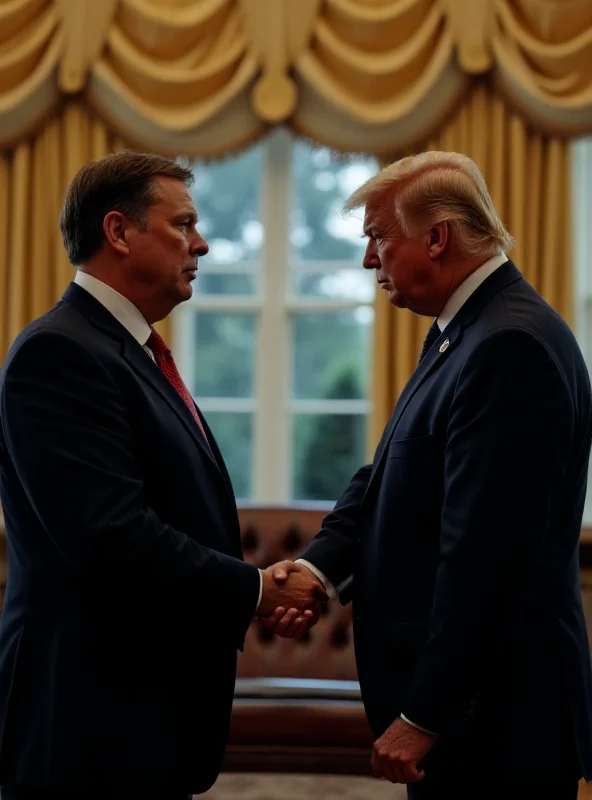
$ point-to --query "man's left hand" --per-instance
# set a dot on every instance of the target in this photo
(396, 754)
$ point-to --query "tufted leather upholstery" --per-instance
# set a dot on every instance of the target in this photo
(277, 725)
(275, 534)
(301, 719)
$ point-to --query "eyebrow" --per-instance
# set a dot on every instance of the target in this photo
(189, 212)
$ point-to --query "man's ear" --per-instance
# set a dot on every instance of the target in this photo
(115, 228)
(438, 239)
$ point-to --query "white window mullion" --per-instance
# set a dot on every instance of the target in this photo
(582, 247)
(582, 238)
(321, 305)
(183, 332)
(330, 406)
(324, 267)
(223, 302)
(233, 267)
(272, 429)
(233, 405)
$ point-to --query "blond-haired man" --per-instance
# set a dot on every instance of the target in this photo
(462, 535)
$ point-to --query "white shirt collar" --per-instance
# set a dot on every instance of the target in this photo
(124, 311)
(462, 293)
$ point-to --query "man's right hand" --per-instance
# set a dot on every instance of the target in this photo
(298, 590)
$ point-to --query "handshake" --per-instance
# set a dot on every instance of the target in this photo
(291, 599)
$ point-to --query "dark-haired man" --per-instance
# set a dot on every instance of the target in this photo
(116, 680)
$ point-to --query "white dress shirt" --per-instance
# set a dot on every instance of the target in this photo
(453, 305)
(462, 293)
(124, 311)
(132, 319)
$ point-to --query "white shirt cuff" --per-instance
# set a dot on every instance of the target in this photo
(260, 592)
(329, 588)
(419, 728)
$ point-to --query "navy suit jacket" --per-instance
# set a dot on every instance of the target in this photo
(462, 538)
(124, 557)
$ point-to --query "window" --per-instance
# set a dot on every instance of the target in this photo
(275, 344)
(582, 214)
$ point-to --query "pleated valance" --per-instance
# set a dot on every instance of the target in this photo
(206, 77)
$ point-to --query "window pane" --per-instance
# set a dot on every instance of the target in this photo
(331, 353)
(227, 197)
(581, 153)
(234, 435)
(586, 345)
(321, 184)
(211, 283)
(343, 284)
(224, 354)
(327, 451)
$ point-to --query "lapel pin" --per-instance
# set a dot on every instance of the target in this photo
(444, 345)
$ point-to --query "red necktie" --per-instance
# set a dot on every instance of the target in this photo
(164, 359)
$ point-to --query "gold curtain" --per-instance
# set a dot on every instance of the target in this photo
(34, 269)
(542, 52)
(528, 175)
(205, 77)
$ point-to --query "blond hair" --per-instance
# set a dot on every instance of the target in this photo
(435, 187)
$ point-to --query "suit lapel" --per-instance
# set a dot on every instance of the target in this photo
(226, 478)
(216, 453)
(438, 354)
(143, 365)
(147, 370)
(139, 360)
(434, 359)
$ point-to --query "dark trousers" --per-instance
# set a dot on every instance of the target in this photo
(450, 791)
(8, 793)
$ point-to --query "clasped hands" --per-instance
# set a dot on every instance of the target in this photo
(291, 599)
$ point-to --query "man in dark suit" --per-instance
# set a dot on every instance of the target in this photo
(462, 536)
(127, 595)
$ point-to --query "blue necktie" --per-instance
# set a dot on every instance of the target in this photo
(430, 338)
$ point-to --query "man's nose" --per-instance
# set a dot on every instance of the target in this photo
(371, 260)
(199, 246)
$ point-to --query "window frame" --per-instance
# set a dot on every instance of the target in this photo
(274, 306)
(581, 164)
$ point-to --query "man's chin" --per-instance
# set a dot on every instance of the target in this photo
(396, 299)
(185, 291)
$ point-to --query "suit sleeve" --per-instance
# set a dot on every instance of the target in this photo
(69, 435)
(509, 438)
(332, 549)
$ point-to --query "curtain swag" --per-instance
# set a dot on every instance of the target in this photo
(205, 77)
